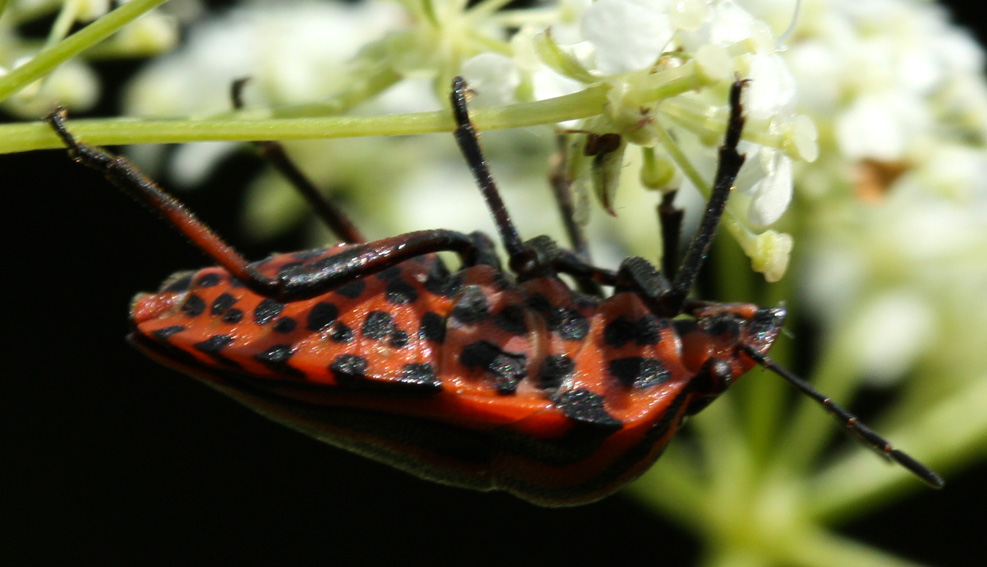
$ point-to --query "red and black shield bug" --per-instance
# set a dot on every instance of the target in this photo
(482, 378)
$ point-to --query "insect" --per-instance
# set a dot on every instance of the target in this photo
(483, 378)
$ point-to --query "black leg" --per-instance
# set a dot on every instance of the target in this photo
(730, 161)
(670, 218)
(306, 281)
(558, 179)
(325, 209)
(561, 186)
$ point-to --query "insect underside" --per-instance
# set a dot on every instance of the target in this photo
(480, 377)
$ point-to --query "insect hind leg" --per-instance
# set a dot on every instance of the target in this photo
(355, 261)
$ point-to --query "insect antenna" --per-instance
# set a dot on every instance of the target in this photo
(863, 433)
(324, 208)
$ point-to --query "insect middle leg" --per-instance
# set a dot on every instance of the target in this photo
(273, 152)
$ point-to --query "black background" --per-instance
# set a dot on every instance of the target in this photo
(109, 458)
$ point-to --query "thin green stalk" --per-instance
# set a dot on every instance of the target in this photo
(37, 136)
(46, 61)
(63, 23)
(363, 90)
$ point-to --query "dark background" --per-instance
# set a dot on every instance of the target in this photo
(109, 458)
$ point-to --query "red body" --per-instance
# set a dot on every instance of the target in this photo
(467, 378)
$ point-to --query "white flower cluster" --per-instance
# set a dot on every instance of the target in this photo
(73, 84)
(665, 68)
(898, 198)
(667, 65)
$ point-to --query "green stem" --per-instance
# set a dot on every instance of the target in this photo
(46, 61)
(37, 136)
(362, 91)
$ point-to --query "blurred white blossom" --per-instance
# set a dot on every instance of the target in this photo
(73, 84)
(665, 87)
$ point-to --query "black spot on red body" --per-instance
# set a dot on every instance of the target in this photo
(193, 306)
(221, 304)
(644, 331)
(440, 282)
(421, 375)
(209, 280)
(724, 325)
(399, 339)
(164, 334)
(212, 347)
(285, 325)
(572, 325)
(378, 325)
(213, 344)
(267, 310)
(321, 316)
(349, 369)
(351, 290)
(233, 316)
(587, 407)
(506, 368)
(341, 333)
(649, 329)
(276, 358)
(400, 292)
(472, 306)
(619, 332)
(541, 304)
(639, 372)
(433, 327)
(511, 319)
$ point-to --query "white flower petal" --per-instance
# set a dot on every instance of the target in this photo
(627, 35)
(492, 77)
(773, 193)
(771, 89)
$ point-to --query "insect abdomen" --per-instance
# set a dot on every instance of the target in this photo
(466, 378)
